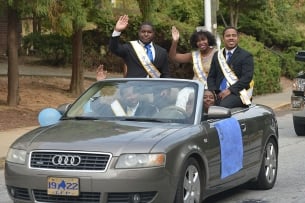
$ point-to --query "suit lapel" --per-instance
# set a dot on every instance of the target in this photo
(157, 54)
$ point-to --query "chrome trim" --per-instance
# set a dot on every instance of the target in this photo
(79, 152)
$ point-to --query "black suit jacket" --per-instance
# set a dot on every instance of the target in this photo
(243, 66)
(134, 66)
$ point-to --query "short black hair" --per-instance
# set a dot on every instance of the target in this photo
(227, 28)
(197, 34)
(146, 23)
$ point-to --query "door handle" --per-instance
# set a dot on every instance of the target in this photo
(243, 127)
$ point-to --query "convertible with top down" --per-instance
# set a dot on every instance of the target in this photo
(163, 149)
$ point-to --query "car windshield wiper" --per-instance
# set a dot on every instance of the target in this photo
(81, 118)
(146, 119)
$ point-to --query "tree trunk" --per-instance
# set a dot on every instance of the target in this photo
(77, 80)
(13, 71)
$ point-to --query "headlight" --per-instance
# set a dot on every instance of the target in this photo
(298, 84)
(16, 156)
(140, 160)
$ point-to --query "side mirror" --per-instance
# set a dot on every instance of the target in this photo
(63, 108)
(216, 112)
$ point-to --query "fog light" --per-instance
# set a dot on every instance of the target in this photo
(136, 198)
(297, 103)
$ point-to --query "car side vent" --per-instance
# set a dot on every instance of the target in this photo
(141, 197)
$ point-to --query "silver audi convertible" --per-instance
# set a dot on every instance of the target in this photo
(142, 141)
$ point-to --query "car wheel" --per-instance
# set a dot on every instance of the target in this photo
(299, 125)
(268, 171)
(190, 183)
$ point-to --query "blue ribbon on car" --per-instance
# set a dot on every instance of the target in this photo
(231, 146)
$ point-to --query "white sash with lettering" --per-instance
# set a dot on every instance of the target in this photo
(198, 67)
(146, 63)
(117, 108)
(245, 95)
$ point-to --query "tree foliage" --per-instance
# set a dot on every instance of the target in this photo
(233, 9)
(275, 30)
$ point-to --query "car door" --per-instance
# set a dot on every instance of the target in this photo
(213, 155)
(253, 127)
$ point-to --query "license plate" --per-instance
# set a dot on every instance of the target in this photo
(63, 186)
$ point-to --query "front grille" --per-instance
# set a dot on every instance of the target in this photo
(129, 197)
(84, 197)
(18, 193)
(89, 161)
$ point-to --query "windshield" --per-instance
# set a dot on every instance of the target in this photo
(143, 100)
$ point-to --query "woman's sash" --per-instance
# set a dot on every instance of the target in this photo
(146, 63)
(198, 67)
(245, 95)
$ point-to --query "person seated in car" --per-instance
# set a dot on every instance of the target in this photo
(209, 99)
(132, 105)
(128, 103)
(162, 97)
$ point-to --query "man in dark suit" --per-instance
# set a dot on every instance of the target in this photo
(241, 66)
(129, 104)
(132, 58)
(132, 105)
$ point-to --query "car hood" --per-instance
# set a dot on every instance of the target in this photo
(97, 136)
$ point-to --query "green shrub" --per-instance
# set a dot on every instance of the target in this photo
(267, 69)
(53, 48)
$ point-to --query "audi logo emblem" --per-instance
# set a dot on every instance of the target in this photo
(66, 160)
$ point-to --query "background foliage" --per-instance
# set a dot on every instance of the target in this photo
(272, 30)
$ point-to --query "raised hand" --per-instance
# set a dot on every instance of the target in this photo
(175, 33)
(122, 23)
(101, 74)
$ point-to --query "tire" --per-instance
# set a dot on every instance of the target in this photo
(299, 125)
(268, 171)
(190, 184)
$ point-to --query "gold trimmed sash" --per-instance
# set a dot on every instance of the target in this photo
(146, 63)
(245, 95)
(117, 108)
(198, 67)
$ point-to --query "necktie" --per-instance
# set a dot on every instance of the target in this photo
(223, 84)
(229, 56)
(149, 52)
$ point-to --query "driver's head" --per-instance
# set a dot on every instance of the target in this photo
(162, 97)
(130, 96)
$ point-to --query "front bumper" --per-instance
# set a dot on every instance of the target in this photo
(115, 185)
